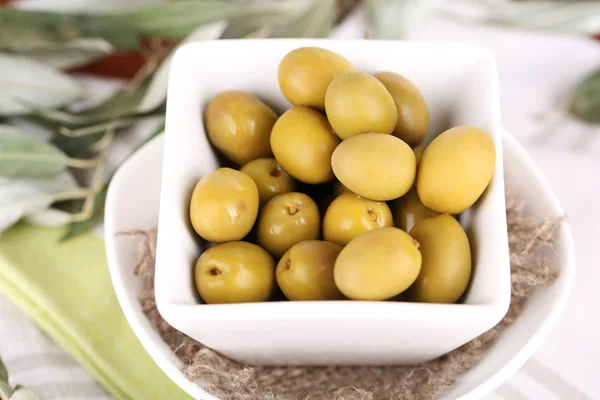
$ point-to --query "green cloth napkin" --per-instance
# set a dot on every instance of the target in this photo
(66, 290)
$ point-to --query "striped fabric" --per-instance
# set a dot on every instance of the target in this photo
(33, 360)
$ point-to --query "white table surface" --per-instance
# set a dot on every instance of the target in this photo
(536, 72)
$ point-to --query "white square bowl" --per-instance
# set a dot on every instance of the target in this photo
(460, 85)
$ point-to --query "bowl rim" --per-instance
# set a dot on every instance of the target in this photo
(148, 338)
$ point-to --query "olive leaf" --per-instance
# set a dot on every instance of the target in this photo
(585, 99)
(87, 128)
(95, 217)
(110, 125)
(178, 19)
(80, 227)
(246, 27)
(156, 92)
(145, 97)
(82, 146)
(568, 17)
(24, 155)
(123, 110)
(393, 19)
(3, 372)
(264, 25)
(88, 140)
(25, 29)
(83, 6)
(20, 30)
(77, 228)
(7, 393)
(23, 393)
(574, 17)
(5, 390)
(23, 196)
(124, 102)
(70, 54)
(25, 79)
(316, 20)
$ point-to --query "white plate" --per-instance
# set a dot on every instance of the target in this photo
(133, 203)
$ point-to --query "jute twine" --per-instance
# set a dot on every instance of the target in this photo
(230, 380)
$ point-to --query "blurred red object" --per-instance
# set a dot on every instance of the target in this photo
(116, 65)
(125, 65)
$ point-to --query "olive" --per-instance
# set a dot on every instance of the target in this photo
(224, 205)
(377, 265)
(446, 268)
(376, 166)
(239, 125)
(338, 189)
(358, 103)
(413, 115)
(302, 142)
(455, 169)
(408, 210)
(285, 220)
(305, 73)
(305, 272)
(234, 272)
(350, 215)
(269, 177)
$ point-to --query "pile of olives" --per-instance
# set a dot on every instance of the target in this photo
(330, 201)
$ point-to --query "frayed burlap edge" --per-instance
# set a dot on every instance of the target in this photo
(230, 380)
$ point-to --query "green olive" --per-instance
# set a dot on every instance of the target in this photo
(338, 189)
(224, 205)
(287, 219)
(358, 103)
(413, 115)
(446, 269)
(239, 125)
(302, 142)
(377, 265)
(305, 272)
(455, 169)
(350, 215)
(376, 166)
(408, 210)
(305, 73)
(234, 272)
(269, 177)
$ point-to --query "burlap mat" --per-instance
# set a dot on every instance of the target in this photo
(230, 380)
